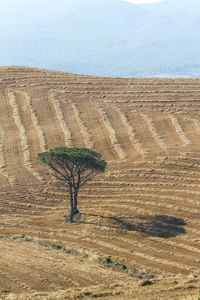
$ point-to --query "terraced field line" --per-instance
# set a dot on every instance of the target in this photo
(144, 198)
(132, 132)
(157, 137)
(179, 130)
(62, 122)
(112, 134)
(2, 158)
(197, 123)
(161, 248)
(23, 137)
(36, 123)
(7, 140)
(15, 282)
(143, 259)
(123, 247)
(84, 130)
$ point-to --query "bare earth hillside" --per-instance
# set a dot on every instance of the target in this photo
(140, 221)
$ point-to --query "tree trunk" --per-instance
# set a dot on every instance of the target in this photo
(71, 207)
(76, 189)
(76, 211)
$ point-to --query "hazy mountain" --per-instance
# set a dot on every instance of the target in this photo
(102, 37)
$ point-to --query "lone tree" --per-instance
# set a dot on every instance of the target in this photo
(73, 166)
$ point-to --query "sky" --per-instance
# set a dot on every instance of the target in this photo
(102, 37)
(142, 1)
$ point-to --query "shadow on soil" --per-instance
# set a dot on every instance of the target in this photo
(155, 226)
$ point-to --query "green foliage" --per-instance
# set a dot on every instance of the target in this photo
(75, 167)
(73, 156)
(107, 260)
(131, 271)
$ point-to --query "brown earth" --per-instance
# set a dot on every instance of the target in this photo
(140, 221)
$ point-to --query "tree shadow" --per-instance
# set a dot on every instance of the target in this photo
(150, 226)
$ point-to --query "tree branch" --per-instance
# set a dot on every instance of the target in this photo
(57, 171)
(88, 177)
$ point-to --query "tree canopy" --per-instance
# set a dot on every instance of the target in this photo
(73, 166)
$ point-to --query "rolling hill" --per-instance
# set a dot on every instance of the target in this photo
(140, 221)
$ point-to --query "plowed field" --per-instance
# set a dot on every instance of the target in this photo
(139, 221)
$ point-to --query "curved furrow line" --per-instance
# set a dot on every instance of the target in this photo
(27, 205)
(179, 199)
(84, 130)
(185, 162)
(164, 167)
(168, 192)
(193, 231)
(179, 130)
(138, 207)
(172, 200)
(155, 205)
(62, 122)
(161, 244)
(27, 277)
(159, 248)
(192, 174)
(168, 179)
(12, 279)
(126, 187)
(47, 117)
(163, 247)
(6, 141)
(3, 171)
(101, 248)
(188, 174)
(166, 257)
(145, 183)
(112, 134)
(122, 135)
(24, 140)
(163, 162)
(35, 121)
(197, 123)
(131, 132)
(8, 282)
(173, 208)
(39, 276)
(88, 277)
(157, 137)
(99, 132)
(180, 244)
(135, 256)
(181, 266)
(166, 130)
(132, 192)
(46, 271)
(191, 130)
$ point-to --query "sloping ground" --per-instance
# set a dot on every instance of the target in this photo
(177, 289)
(140, 220)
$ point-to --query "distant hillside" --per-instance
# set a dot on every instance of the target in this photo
(101, 37)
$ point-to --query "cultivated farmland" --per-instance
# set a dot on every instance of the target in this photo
(140, 220)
